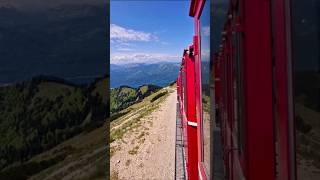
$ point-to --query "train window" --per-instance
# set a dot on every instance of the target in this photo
(205, 84)
(218, 10)
(239, 89)
(306, 83)
(238, 97)
(276, 119)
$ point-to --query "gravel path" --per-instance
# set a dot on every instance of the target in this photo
(147, 152)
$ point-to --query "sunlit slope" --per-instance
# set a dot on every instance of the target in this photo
(129, 117)
(87, 152)
(142, 137)
(124, 96)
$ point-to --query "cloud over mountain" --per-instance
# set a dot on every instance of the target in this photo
(127, 58)
(122, 34)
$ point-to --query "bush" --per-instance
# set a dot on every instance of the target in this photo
(117, 115)
(158, 96)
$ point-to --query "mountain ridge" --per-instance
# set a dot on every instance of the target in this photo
(137, 74)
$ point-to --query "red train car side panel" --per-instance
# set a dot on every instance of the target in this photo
(258, 90)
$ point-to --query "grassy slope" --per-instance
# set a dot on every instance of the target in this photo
(101, 87)
(307, 116)
(124, 96)
(87, 156)
(132, 120)
(87, 152)
(81, 145)
(134, 113)
(309, 141)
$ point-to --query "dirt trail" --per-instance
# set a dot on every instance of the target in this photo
(147, 152)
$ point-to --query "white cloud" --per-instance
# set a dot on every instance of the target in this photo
(122, 46)
(125, 44)
(121, 34)
(124, 49)
(127, 58)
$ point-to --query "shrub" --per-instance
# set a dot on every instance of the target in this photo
(158, 96)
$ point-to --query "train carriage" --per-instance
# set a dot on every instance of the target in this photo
(249, 90)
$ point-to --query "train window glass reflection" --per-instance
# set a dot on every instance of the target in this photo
(238, 88)
(205, 83)
(306, 79)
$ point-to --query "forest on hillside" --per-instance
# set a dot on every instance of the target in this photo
(40, 113)
(124, 96)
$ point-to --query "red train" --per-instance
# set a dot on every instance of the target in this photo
(249, 90)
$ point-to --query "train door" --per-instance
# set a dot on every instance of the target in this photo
(200, 10)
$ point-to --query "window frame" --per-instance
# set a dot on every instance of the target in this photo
(209, 169)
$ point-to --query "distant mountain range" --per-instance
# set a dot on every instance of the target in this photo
(63, 38)
(135, 75)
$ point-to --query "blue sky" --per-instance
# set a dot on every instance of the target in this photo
(149, 31)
